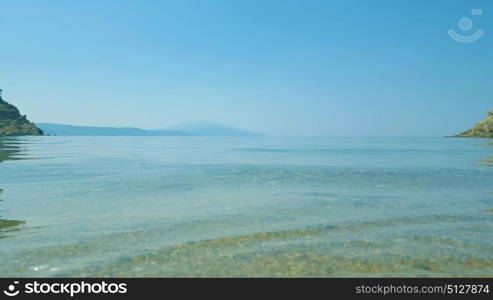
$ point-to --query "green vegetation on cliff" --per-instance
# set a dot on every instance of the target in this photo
(13, 123)
(483, 129)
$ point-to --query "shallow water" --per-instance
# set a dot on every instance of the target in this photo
(189, 206)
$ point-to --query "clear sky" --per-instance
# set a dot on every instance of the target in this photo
(281, 67)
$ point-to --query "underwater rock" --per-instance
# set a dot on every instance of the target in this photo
(9, 224)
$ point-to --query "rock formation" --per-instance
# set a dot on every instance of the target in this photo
(13, 123)
(483, 129)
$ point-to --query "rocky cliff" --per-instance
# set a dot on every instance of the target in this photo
(13, 123)
(483, 129)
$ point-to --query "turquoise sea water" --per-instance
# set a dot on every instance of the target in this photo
(187, 206)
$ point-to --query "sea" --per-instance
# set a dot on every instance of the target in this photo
(246, 207)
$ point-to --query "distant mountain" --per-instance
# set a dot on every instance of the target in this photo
(72, 130)
(206, 128)
(483, 129)
(186, 129)
(13, 123)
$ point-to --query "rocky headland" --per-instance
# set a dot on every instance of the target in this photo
(12, 123)
(483, 129)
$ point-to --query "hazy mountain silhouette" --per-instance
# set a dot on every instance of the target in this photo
(201, 128)
(73, 130)
(207, 128)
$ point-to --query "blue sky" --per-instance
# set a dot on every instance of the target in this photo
(281, 67)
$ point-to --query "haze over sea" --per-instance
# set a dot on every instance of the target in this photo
(250, 206)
